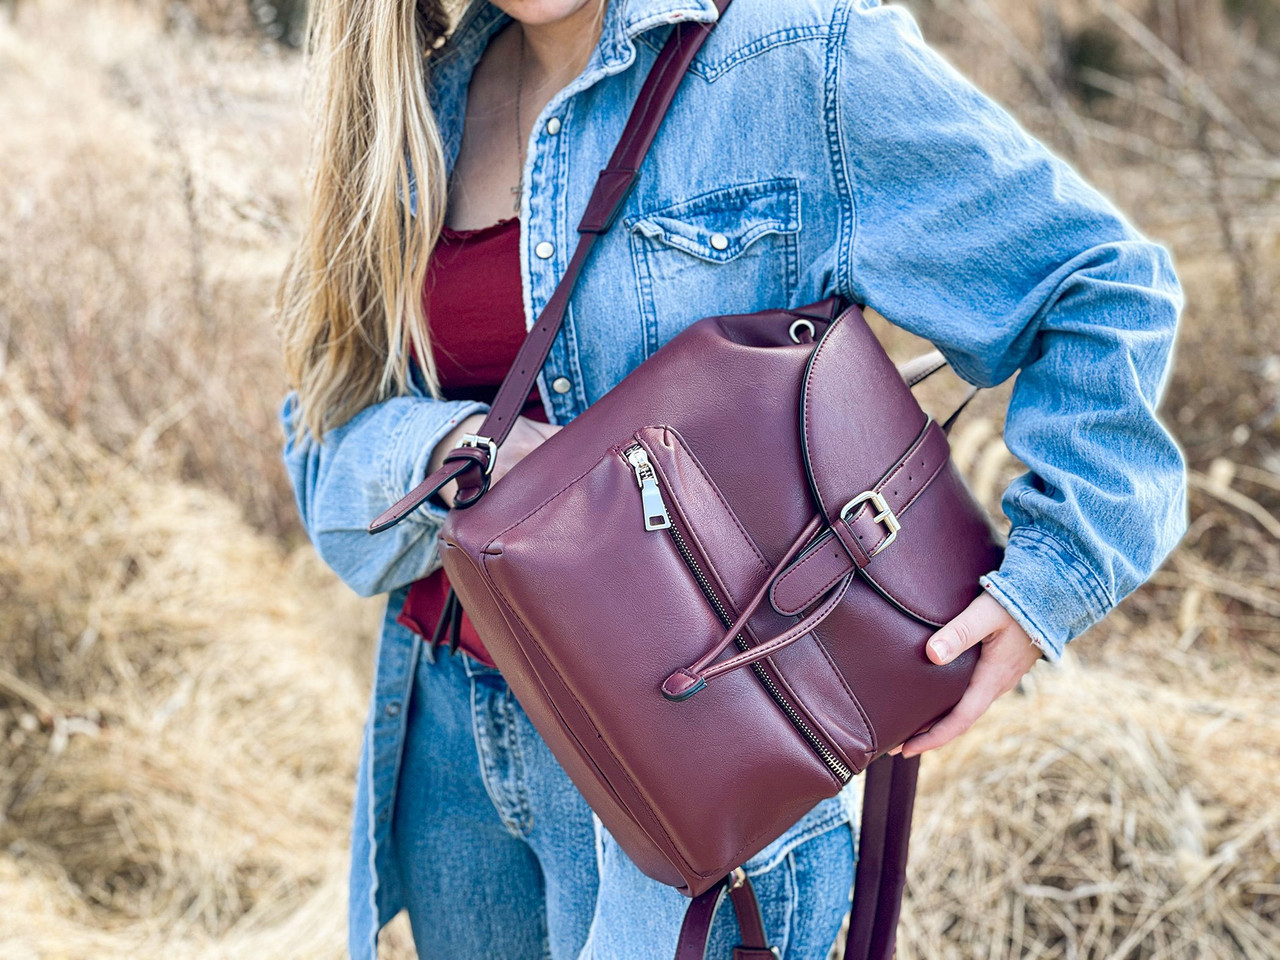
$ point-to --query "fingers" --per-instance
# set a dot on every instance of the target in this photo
(983, 690)
(545, 430)
(1007, 655)
(979, 620)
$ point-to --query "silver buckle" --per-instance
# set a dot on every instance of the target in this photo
(885, 516)
(476, 440)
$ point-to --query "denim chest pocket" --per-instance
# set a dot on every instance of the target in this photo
(729, 250)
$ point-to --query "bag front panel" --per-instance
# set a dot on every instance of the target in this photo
(555, 714)
(591, 604)
(625, 604)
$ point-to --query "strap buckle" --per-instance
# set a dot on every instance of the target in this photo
(476, 440)
(885, 516)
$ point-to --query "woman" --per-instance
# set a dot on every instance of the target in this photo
(814, 149)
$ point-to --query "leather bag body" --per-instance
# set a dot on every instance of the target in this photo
(589, 602)
(712, 590)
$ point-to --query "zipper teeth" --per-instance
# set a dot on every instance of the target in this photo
(834, 763)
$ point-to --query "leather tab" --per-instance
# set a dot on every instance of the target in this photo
(682, 685)
(753, 953)
(459, 461)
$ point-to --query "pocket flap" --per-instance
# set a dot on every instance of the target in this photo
(720, 225)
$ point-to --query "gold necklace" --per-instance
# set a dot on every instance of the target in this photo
(518, 189)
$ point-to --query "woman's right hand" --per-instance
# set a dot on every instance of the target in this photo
(525, 435)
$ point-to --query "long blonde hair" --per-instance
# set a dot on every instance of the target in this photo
(349, 304)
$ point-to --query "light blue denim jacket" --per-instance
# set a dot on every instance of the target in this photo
(818, 147)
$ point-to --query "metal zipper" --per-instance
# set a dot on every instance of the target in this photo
(655, 511)
(638, 457)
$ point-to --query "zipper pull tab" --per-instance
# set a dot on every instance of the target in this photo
(655, 510)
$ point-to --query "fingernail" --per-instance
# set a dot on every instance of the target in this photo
(941, 650)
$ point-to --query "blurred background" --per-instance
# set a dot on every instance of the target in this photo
(182, 683)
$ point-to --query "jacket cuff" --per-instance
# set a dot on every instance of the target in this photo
(1047, 589)
(411, 448)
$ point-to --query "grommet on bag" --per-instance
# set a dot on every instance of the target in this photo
(802, 324)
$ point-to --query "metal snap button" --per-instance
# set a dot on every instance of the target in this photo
(719, 241)
(561, 384)
(553, 126)
(545, 250)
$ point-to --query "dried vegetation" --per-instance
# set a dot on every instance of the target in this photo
(181, 683)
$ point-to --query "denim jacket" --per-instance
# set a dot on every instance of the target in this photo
(816, 148)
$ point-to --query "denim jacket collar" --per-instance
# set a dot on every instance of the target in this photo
(450, 69)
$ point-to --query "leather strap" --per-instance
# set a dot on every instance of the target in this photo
(822, 572)
(921, 368)
(853, 540)
(469, 465)
(888, 799)
(696, 928)
(889, 793)
(687, 681)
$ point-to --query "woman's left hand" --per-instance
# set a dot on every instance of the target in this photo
(1007, 654)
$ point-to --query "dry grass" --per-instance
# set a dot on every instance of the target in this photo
(178, 708)
(150, 180)
(181, 683)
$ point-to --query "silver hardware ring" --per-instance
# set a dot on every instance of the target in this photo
(799, 324)
(476, 440)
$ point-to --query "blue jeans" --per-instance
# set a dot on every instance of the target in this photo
(500, 857)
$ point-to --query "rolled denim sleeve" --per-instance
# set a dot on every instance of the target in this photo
(360, 469)
(965, 230)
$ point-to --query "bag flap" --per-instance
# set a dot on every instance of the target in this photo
(869, 446)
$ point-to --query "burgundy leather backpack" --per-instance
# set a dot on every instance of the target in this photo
(711, 591)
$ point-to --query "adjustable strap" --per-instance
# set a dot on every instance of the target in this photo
(856, 536)
(470, 465)
(888, 800)
(697, 921)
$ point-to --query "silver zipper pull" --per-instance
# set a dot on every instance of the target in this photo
(655, 510)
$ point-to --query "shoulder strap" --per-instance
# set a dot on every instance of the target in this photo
(888, 799)
(613, 185)
(881, 874)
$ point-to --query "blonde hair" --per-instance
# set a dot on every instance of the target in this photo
(349, 306)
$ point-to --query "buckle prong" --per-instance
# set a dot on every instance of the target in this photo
(884, 515)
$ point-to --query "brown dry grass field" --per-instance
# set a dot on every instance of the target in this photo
(182, 682)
